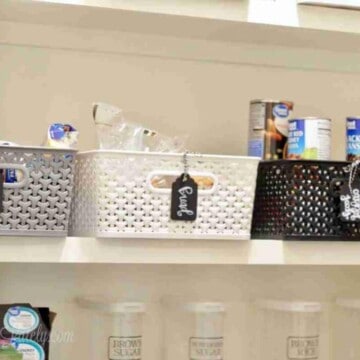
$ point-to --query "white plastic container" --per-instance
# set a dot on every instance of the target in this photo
(120, 194)
(116, 329)
(346, 335)
(288, 330)
(194, 331)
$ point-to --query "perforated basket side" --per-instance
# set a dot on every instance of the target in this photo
(309, 207)
(269, 215)
(39, 204)
(83, 218)
(127, 205)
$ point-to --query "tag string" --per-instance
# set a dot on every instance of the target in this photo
(186, 165)
(353, 171)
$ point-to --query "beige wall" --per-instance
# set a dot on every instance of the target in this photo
(208, 101)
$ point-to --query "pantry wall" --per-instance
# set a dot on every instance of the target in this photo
(185, 86)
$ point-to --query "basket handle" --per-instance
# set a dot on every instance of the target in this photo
(20, 184)
(149, 181)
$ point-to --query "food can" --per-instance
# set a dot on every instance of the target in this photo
(309, 138)
(268, 131)
(353, 138)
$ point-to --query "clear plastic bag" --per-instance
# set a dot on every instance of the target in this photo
(116, 133)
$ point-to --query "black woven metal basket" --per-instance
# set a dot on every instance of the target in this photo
(299, 200)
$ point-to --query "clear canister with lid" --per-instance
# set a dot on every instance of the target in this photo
(116, 329)
(194, 331)
(288, 330)
(346, 332)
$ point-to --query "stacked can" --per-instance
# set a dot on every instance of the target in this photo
(309, 138)
(274, 135)
(353, 138)
(268, 132)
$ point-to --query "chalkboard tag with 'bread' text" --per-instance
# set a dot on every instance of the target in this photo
(184, 198)
(350, 196)
(350, 202)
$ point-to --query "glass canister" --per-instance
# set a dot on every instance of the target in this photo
(116, 329)
(288, 330)
(194, 331)
(346, 334)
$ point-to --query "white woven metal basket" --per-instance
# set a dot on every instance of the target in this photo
(39, 203)
(116, 197)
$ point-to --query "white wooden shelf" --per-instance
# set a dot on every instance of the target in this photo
(150, 251)
(82, 14)
(72, 26)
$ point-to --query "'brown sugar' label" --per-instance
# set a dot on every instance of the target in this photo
(303, 348)
(206, 348)
(125, 348)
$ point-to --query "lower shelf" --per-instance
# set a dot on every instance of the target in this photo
(166, 251)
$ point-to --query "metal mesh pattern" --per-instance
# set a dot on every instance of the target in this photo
(39, 203)
(114, 199)
(300, 200)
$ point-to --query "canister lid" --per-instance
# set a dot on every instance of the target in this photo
(352, 303)
(205, 307)
(290, 306)
(104, 305)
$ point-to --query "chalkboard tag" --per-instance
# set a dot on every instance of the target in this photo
(184, 198)
(350, 202)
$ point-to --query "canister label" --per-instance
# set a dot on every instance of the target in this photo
(352, 139)
(21, 320)
(309, 139)
(206, 348)
(303, 348)
(125, 348)
(30, 349)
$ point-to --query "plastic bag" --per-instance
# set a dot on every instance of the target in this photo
(115, 133)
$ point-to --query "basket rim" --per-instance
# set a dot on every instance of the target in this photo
(166, 154)
(300, 161)
(37, 148)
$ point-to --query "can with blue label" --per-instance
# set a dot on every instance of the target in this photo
(352, 138)
(309, 138)
(268, 130)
